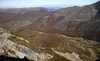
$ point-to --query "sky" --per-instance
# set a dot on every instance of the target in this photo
(43, 3)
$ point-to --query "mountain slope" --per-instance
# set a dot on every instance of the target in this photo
(53, 47)
(73, 21)
(17, 47)
(68, 34)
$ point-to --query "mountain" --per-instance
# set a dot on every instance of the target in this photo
(72, 21)
(23, 10)
(48, 47)
(18, 47)
(68, 34)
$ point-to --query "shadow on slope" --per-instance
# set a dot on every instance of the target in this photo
(5, 58)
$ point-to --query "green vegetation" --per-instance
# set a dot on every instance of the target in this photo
(82, 52)
(68, 44)
(12, 52)
(1, 32)
(97, 52)
(31, 46)
(22, 42)
(56, 57)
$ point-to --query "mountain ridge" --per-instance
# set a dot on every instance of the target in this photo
(69, 34)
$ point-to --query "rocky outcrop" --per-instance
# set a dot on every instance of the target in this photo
(12, 49)
(5, 58)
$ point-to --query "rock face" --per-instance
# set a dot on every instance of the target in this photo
(12, 49)
(5, 58)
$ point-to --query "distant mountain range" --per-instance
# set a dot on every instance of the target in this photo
(72, 21)
(73, 30)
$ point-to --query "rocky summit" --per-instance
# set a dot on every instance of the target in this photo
(41, 34)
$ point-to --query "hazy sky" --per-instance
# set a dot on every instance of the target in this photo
(43, 3)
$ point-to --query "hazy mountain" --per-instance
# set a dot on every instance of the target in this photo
(72, 21)
(68, 34)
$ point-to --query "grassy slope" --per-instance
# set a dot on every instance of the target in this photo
(60, 43)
